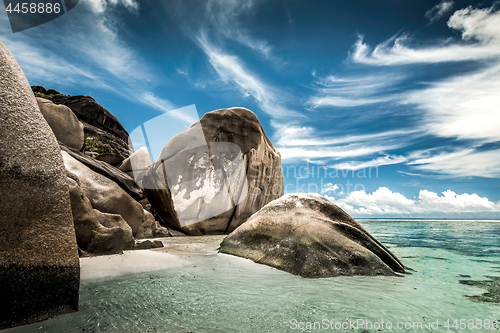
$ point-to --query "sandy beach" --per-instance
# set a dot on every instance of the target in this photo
(175, 253)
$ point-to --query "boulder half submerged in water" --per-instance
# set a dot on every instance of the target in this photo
(307, 235)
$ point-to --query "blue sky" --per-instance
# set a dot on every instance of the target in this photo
(390, 108)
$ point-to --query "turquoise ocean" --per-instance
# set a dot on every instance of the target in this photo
(454, 286)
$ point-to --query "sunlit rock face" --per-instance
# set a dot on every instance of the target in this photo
(63, 122)
(307, 235)
(210, 178)
(106, 195)
(39, 266)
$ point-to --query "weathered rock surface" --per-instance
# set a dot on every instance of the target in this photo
(42, 90)
(151, 228)
(39, 266)
(218, 173)
(136, 164)
(111, 159)
(63, 122)
(105, 195)
(88, 110)
(308, 235)
(122, 179)
(115, 142)
(99, 123)
(97, 233)
(113, 222)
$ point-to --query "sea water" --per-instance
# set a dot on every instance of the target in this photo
(453, 287)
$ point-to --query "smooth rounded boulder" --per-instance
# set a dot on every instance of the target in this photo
(309, 236)
(97, 233)
(39, 266)
(105, 195)
(63, 122)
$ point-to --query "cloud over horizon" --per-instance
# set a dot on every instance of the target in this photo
(384, 202)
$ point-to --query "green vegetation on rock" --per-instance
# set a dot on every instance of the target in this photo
(42, 95)
(95, 145)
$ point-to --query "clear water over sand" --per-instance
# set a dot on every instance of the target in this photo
(192, 288)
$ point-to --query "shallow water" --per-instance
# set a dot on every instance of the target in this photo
(210, 292)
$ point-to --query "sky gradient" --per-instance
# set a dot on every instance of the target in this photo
(389, 108)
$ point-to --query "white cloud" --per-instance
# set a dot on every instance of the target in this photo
(385, 202)
(436, 12)
(382, 201)
(385, 160)
(462, 163)
(100, 6)
(329, 188)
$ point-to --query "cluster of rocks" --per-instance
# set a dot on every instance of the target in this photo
(108, 204)
(105, 203)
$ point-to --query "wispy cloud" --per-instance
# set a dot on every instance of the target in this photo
(438, 11)
(461, 163)
(477, 25)
(463, 107)
(385, 160)
(338, 152)
(231, 70)
(91, 54)
(296, 142)
(292, 135)
(223, 17)
(157, 103)
(353, 91)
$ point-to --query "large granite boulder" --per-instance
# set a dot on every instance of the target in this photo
(39, 266)
(210, 178)
(307, 235)
(119, 177)
(97, 233)
(98, 122)
(65, 125)
(105, 195)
